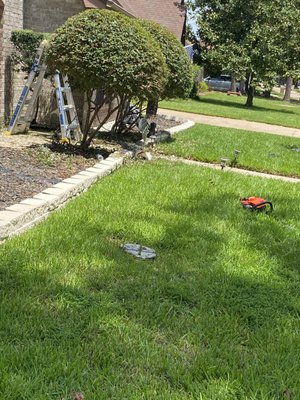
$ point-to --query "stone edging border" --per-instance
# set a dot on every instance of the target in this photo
(22, 216)
(183, 124)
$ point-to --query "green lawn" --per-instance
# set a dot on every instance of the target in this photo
(219, 104)
(259, 151)
(214, 317)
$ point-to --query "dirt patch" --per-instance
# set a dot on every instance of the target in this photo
(30, 163)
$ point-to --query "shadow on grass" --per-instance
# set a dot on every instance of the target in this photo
(79, 314)
(229, 104)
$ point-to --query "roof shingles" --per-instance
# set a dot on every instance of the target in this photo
(168, 13)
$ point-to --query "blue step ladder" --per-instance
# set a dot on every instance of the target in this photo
(22, 116)
(68, 119)
(25, 108)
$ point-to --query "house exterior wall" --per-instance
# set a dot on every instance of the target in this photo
(38, 15)
(1, 61)
(11, 18)
(47, 15)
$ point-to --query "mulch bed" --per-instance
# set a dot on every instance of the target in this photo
(25, 172)
(30, 164)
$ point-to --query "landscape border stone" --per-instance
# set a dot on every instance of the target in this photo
(163, 135)
(22, 216)
(183, 123)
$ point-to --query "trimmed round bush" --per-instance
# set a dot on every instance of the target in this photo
(107, 50)
(180, 80)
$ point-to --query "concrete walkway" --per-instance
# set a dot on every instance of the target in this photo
(234, 123)
(231, 169)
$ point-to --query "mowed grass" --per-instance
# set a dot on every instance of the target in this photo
(269, 111)
(214, 317)
(259, 151)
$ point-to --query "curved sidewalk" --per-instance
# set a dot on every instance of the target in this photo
(234, 123)
(231, 169)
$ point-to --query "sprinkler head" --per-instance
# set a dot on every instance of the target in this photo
(236, 153)
(223, 162)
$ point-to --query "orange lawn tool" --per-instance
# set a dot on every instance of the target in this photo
(257, 204)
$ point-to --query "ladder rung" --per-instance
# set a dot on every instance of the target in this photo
(69, 107)
(66, 89)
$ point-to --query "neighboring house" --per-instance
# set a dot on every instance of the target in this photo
(47, 15)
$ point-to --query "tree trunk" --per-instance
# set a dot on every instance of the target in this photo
(34, 121)
(288, 89)
(86, 112)
(233, 85)
(242, 86)
(247, 85)
(152, 108)
(250, 96)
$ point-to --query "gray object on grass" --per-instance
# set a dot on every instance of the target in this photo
(139, 251)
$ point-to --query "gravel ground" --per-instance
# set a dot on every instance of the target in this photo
(31, 163)
(26, 171)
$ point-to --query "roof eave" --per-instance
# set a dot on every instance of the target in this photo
(113, 6)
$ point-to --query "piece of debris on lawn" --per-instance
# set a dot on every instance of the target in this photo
(145, 155)
(139, 251)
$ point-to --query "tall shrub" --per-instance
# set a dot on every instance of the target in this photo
(180, 72)
(101, 49)
(180, 78)
(25, 44)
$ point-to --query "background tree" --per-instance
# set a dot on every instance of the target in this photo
(180, 71)
(241, 37)
(101, 49)
(230, 58)
(288, 36)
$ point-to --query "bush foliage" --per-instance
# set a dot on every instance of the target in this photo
(180, 79)
(25, 44)
(198, 82)
(107, 50)
(203, 87)
(102, 49)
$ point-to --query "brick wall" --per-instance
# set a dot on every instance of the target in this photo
(12, 18)
(1, 61)
(47, 15)
(40, 16)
